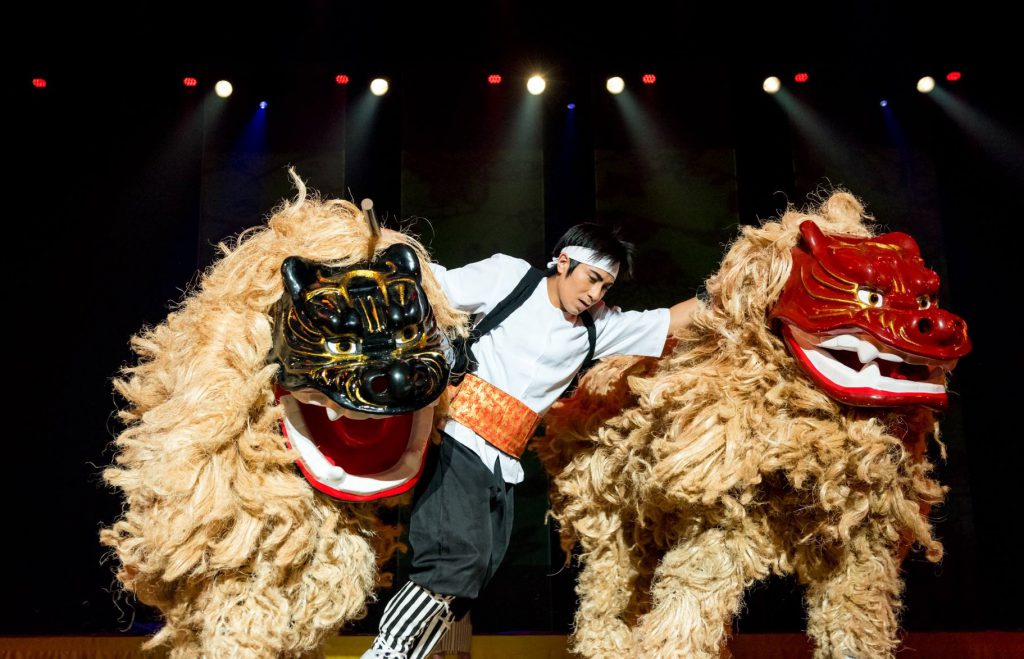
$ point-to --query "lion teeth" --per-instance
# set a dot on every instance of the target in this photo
(335, 473)
(866, 351)
(333, 414)
(870, 370)
(840, 342)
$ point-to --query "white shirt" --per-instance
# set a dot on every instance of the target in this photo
(535, 352)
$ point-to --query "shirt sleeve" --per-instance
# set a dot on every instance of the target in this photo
(478, 287)
(641, 333)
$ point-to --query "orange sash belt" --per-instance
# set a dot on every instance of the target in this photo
(499, 417)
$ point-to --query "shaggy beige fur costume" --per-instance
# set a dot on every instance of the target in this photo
(721, 463)
(220, 532)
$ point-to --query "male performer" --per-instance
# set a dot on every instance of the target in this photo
(461, 518)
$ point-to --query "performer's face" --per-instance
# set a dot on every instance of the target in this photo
(582, 288)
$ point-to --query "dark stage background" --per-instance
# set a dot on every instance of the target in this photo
(120, 181)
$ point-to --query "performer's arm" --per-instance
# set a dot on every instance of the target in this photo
(681, 314)
(471, 287)
(641, 333)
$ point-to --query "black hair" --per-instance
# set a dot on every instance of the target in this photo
(603, 240)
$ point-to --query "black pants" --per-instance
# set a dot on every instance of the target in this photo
(461, 522)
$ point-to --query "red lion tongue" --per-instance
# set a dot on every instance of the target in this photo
(361, 447)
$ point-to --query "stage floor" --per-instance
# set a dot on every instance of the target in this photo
(936, 645)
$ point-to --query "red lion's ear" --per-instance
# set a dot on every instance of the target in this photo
(901, 240)
(816, 241)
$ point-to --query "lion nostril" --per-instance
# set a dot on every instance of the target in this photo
(924, 326)
(379, 384)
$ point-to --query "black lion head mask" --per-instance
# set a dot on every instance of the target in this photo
(364, 335)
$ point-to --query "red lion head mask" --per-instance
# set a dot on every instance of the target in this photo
(862, 318)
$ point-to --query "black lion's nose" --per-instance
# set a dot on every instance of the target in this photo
(390, 383)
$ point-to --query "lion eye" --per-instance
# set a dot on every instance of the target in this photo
(870, 297)
(342, 347)
(407, 334)
(926, 301)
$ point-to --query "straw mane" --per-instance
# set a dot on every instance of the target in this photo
(219, 532)
(688, 478)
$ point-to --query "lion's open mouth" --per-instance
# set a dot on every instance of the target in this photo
(357, 459)
(867, 372)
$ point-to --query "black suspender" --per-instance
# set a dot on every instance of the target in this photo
(465, 362)
(588, 320)
(512, 301)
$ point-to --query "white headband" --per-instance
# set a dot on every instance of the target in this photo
(590, 257)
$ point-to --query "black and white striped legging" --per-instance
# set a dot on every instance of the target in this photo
(458, 639)
(413, 621)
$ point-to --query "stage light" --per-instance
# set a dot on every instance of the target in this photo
(39, 83)
(494, 79)
(648, 79)
(536, 85)
(190, 82)
(615, 85)
(571, 106)
(341, 79)
(263, 105)
(223, 89)
(379, 86)
(926, 84)
(884, 103)
(801, 77)
(953, 76)
(772, 85)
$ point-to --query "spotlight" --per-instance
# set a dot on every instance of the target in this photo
(494, 79)
(341, 79)
(536, 85)
(263, 105)
(379, 86)
(39, 83)
(648, 79)
(190, 82)
(801, 77)
(615, 85)
(571, 106)
(223, 88)
(926, 84)
(884, 103)
(953, 76)
(772, 85)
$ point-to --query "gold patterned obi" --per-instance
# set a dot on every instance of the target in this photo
(499, 417)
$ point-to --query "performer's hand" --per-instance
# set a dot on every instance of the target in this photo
(681, 314)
